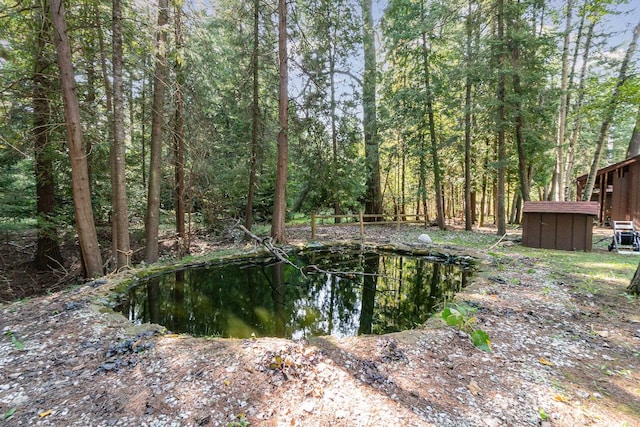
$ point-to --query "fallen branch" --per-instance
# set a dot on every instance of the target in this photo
(498, 242)
(267, 242)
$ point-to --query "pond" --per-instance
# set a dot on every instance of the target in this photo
(345, 294)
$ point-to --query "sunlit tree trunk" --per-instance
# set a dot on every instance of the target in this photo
(422, 182)
(48, 254)
(152, 220)
(121, 211)
(85, 225)
(143, 125)
(373, 200)
(501, 145)
(437, 173)
(634, 286)
(255, 118)
(609, 112)
(403, 179)
(109, 104)
(575, 130)
(178, 137)
(468, 217)
(519, 119)
(634, 142)
(280, 201)
(559, 182)
(334, 132)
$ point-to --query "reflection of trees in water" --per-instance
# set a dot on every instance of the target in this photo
(389, 293)
(180, 313)
(278, 295)
(371, 265)
(153, 300)
(410, 289)
(332, 300)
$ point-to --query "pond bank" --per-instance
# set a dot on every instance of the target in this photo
(566, 351)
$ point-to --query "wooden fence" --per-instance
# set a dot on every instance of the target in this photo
(360, 219)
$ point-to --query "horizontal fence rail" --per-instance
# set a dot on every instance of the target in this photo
(360, 217)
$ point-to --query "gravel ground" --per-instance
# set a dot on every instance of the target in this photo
(561, 357)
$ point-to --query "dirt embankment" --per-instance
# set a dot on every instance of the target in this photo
(561, 357)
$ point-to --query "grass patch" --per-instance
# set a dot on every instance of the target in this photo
(467, 239)
(590, 270)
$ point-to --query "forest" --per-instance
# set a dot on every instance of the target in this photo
(130, 119)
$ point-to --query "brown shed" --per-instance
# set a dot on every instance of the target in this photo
(567, 226)
(617, 190)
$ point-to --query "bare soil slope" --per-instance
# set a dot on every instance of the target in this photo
(561, 357)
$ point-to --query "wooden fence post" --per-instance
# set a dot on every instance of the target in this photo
(313, 225)
(361, 225)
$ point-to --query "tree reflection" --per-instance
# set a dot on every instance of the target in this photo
(371, 265)
(277, 294)
(274, 299)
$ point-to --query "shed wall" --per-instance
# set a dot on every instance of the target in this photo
(619, 205)
(552, 230)
(619, 191)
(634, 194)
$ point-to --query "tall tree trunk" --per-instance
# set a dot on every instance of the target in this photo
(280, 201)
(90, 100)
(570, 154)
(519, 120)
(110, 130)
(609, 113)
(152, 221)
(85, 225)
(121, 212)
(634, 286)
(578, 105)
(178, 137)
(334, 134)
(255, 118)
(502, 124)
(373, 201)
(422, 184)
(143, 126)
(468, 217)
(559, 183)
(403, 176)
(437, 173)
(48, 254)
(483, 197)
(516, 207)
(634, 143)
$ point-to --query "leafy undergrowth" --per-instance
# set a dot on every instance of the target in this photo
(462, 317)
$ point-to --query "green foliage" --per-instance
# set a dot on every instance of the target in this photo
(481, 340)
(326, 159)
(240, 422)
(542, 414)
(326, 164)
(462, 316)
(17, 187)
(219, 114)
(459, 316)
(19, 345)
(9, 413)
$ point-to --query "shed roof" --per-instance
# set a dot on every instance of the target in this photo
(586, 208)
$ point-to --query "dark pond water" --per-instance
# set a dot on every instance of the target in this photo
(366, 293)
